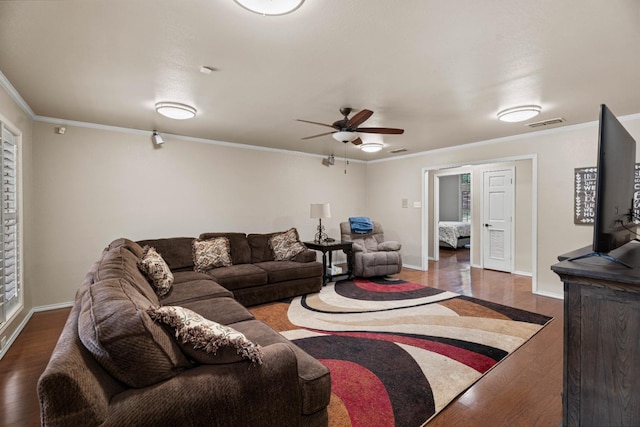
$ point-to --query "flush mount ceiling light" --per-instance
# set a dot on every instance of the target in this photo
(343, 136)
(519, 114)
(270, 7)
(174, 110)
(371, 147)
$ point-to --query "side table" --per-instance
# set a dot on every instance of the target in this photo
(346, 247)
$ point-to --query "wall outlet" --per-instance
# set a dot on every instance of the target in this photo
(3, 342)
(405, 203)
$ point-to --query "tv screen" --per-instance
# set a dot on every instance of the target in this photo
(614, 225)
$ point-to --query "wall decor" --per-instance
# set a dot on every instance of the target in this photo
(585, 195)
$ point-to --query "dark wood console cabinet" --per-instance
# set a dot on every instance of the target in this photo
(601, 338)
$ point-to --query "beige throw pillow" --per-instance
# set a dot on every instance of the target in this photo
(157, 271)
(211, 253)
(204, 334)
(286, 245)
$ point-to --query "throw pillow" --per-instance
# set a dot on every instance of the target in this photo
(157, 271)
(205, 334)
(286, 245)
(208, 254)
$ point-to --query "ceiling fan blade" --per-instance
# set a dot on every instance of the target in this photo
(356, 141)
(320, 134)
(387, 131)
(359, 118)
(316, 123)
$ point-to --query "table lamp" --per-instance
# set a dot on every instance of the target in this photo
(320, 210)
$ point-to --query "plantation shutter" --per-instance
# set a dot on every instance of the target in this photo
(9, 244)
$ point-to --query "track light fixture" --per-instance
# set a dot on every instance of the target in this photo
(157, 138)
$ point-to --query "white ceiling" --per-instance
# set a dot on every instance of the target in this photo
(439, 69)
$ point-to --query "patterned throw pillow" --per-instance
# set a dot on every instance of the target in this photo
(286, 245)
(205, 334)
(208, 254)
(157, 271)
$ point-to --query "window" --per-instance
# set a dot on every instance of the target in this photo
(10, 280)
(465, 197)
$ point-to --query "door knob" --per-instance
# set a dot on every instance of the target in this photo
(488, 225)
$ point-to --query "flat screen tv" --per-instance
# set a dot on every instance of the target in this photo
(614, 208)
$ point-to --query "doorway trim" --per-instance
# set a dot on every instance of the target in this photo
(427, 208)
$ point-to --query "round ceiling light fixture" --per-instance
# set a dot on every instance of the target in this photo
(174, 110)
(519, 114)
(344, 136)
(371, 147)
(270, 7)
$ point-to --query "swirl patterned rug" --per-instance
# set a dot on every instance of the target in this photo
(398, 352)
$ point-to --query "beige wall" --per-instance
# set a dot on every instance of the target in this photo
(558, 152)
(16, 117)
(92, 186)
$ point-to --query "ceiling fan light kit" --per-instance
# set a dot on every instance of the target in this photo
(344, 136)
(270, 7)
(175, 110)
(371, 147)
(519, 114)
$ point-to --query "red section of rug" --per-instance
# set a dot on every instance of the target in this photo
(376, 287)
(472, 359)
(363, 394)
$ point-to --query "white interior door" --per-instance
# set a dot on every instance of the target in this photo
(497, 220)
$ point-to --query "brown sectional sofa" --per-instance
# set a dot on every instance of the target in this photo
(114, 366)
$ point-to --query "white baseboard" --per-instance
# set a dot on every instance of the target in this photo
(549, 294)
(53, 306)
(413, 267)
(523, 273)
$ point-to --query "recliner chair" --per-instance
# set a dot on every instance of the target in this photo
(373, 256)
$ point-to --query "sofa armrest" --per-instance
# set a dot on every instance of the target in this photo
(235, 394)
(357, 247)
(305, 256)
(389, 245)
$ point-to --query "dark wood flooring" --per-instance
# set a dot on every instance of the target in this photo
(523, 390)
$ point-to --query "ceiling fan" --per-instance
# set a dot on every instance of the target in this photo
(347, 128)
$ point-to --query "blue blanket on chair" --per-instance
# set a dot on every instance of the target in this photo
(360, 224)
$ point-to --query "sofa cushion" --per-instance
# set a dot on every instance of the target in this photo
(260, 249)
(207, 336)
(188, 276)
(240, 250)
(156, 270)
(281, 271)
(225, 310)
(286, 245)
(114, 326)
(208, 254)
(239, 276)
(314, 378)
(120, 263)
(194, 290)
(176, 251)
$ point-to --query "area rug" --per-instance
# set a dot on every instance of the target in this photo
(398, 352)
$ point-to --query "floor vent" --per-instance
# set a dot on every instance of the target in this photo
(546, 122)
(398, 150)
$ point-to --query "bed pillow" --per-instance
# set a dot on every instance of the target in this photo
(157, 271)
(205, 336)
(286, 245)
(211, 253)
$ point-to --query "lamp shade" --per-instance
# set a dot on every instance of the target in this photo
(320, 210)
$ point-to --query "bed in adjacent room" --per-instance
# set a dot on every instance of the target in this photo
(454, 234)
